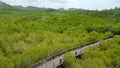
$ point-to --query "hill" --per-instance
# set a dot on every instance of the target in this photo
(4, 6)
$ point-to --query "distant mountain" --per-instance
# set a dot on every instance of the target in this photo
(4, 6)
(29, 8)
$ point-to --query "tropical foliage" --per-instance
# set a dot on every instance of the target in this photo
(28, 37)
(107, 55)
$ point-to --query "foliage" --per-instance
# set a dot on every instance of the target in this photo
(106, 55)
(39, 34)
(6, 63)
(68, 60)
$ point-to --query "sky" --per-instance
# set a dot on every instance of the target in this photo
(83, 4)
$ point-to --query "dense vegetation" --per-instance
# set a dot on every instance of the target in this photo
(107, 55)
(28, 37)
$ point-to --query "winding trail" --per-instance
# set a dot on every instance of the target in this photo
(56, 60)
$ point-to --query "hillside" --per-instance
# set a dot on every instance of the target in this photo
(4, 6)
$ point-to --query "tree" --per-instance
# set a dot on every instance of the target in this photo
(92, 63)
(68, 60)
(6, 63)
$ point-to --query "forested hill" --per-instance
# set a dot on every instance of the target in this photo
(4, 6)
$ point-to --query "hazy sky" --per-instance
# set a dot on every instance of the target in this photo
(85, 4)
